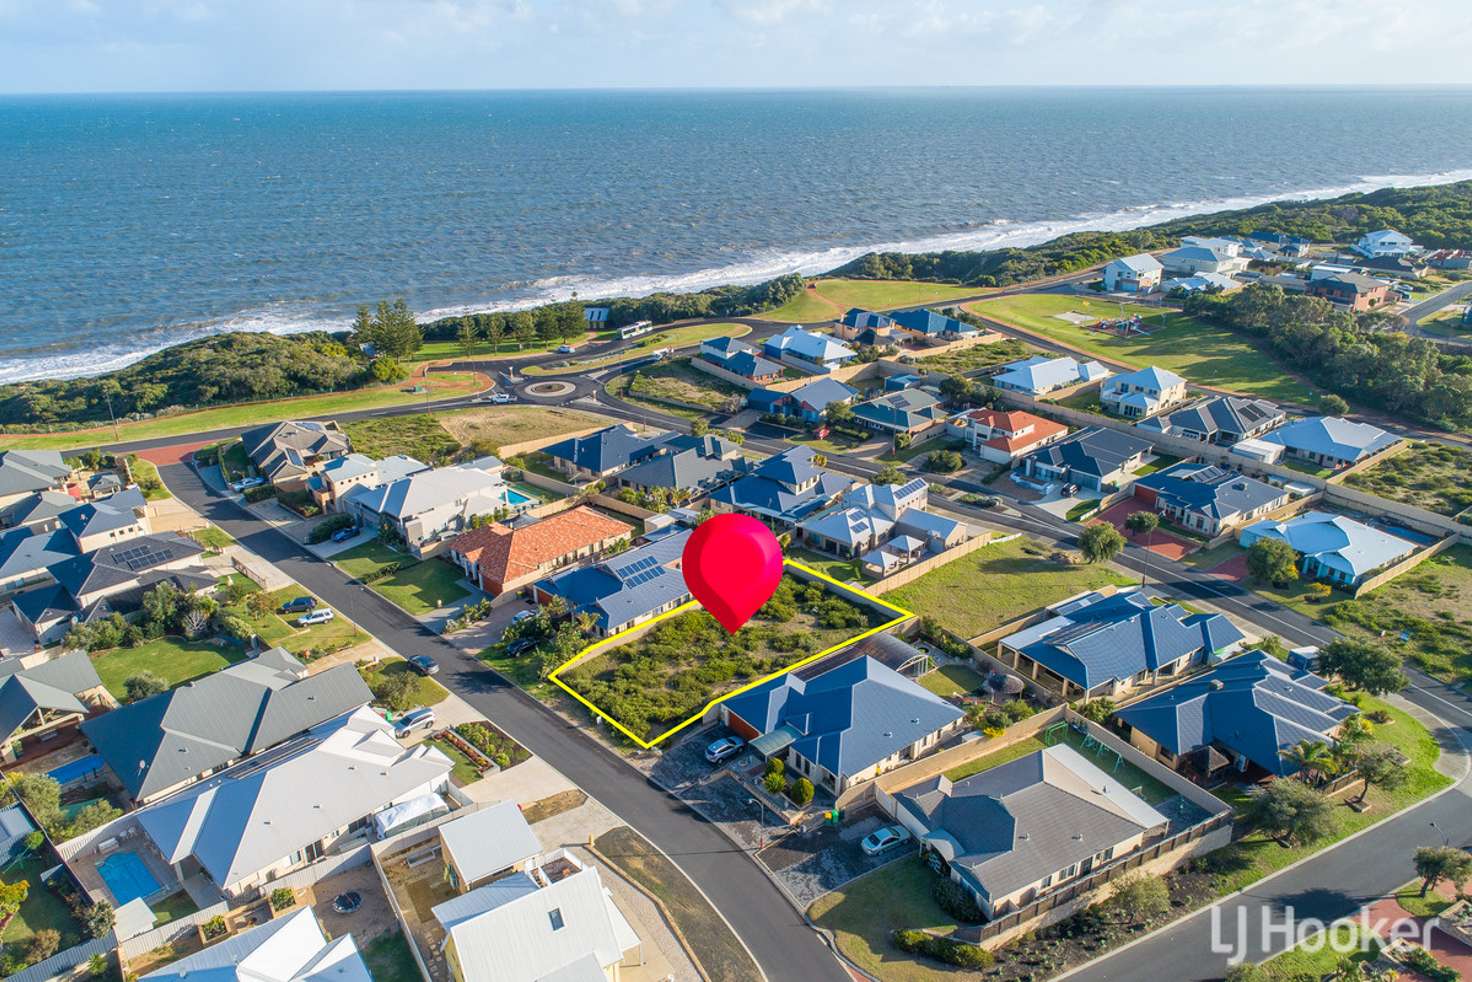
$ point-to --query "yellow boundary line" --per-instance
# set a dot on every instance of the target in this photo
(902, 615)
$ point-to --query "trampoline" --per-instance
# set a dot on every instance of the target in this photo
(127, 878)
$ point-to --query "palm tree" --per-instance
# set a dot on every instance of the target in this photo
(1312, 757)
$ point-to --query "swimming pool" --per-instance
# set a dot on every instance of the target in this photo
(126, 877)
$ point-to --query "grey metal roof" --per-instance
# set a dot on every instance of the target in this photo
(1095, 451)
(281, 449)
(125, 562)
(174, 736)
(23, 552)
(105, 515)
(31, 470)
(1213, 491)
(288, 949)
(1011, 825)
(41, 506)
(1229, 415)
(684, 470)
(489, 840)
(606, 450)
(1340, 438)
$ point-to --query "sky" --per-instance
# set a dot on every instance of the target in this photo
(213, 45)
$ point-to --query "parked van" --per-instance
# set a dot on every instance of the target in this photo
(414, 720)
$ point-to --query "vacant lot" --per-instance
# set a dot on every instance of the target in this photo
(671, 672)
(997, 583)
(826, 300)
(677, 381)
(497, 426)
(1202, 353)
(419, 436)
(977, 358)
(1447, 323)
(670, 337)
(1428, 475)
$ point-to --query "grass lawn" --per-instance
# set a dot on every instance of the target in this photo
(720, 953)
(977, 358)
(996, 584)
(670, 337)
(422, 587)
(1433, 476)
(285, 631)
(1159, 462)
(1409, 897)
(145, 475)
(212, 537)
(389, 959)
(1446, 322)
(862, 913)
(1301, 963)
(952, 680)
(1203, 353)
(1306, 467)
(499, 426)
(173, 659)
(42, 909)
(914, 450)
(427, 692)
(234, 464)
(172, 907)
(678, 381)
(464, 771)
(420, 436)
(507, 348)
(366, 559)
(441, 386)
(1085, 400)
(826, 300)
(843, 570)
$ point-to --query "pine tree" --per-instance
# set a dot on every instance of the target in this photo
(467, 335)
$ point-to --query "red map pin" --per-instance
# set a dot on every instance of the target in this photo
(732, 565)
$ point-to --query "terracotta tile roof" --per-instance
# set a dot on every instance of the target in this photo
(1014, 420)
(505, 554)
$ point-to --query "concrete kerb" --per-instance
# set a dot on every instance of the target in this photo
(1257, 884)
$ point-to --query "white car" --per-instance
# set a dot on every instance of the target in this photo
(416, 719)
(501, 398)
(566, 349)
(316, 617)
(885, 839)
(247, 482)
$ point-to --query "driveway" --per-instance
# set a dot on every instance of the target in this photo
(824, 857)
(1160, 542)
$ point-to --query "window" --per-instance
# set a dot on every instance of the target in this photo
(555, 916)
(1068, 872)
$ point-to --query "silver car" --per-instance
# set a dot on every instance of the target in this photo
(885, 839)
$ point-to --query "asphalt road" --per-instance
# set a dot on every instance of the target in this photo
(781, 942)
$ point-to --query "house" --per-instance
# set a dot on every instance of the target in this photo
(886, 526)
(338, 477)
(929, 327)
(555, 922)
(1332, 548)
(1206, 498)
(165, 742)
(1139, 273)
(600, 455)
(1016, 832)
(1095, 458)
(783, 489)
(733, 356)
(688, 466)
(1330, 440)
(110, 580)
(898, 383)
(1190, 260)
(486, 845)
(39, 703)
(1450, 259)
(1259, 450)
(1202, 283)
(1245, 712)
(1220, 420)
(808, 350)
(314, 796)
(1401, 266)
(863, 327)
(1095, 646)
(625, 589)
(288, 453)
(26, 557)
(842, 726)
(117, 518)
(1385, 242)
(1040, 374)
(25, 472)
(909, 411)
(1001, 437)
(429, 506)
(499, 558)
(1284, 244)
(291, 948)
(37, 511)
(28, 551)
(807, 402)
(1353, 290)
(1142, 393)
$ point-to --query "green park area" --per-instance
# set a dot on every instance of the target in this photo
(1202, 353)
(506, 348)
(414, 585)
(447, 385)
(1434, 476)
(829, 299)
(1447, 323)
(996, 584)
(669, 337)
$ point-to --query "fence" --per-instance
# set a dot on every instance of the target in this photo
(549, 483)
(916, 570)
(537, 443)
(64, 961)
(244, 570)
(169, 933)
(1405, 565)
(320, 870)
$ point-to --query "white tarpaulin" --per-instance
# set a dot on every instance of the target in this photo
(407, 814)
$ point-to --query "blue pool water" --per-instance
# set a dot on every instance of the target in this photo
(77, 770)
(126, 877)
(515, 497)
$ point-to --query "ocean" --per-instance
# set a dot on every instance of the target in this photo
(128, 223)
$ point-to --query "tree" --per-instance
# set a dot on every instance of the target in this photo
(97, 966)
(258, 603)
(386, 369)
(467, 334)
(396, 690)
(1101, 542)
(1437, 863)
(1378, 764)
(99, 918)
(523, 328)
(1363, 665)
(495, 331)
(943, 461)
(1291, 812)
(12, 895)
(889, 474)
(1142, 522)
(802, 791)
(1099, 710)
(1311, 757)
(1332, 405)
(42, 796)
(44, 943)
(838, 413)
(1272, 561)
(1139, 898)
(142, 685)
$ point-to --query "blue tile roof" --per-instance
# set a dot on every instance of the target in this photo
(931, 324)
(861, 318)
(1210, 490)
(1253, 705)
(605, 450)
(630, 585)
(848, 718)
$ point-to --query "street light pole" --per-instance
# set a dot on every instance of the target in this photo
(761, 829)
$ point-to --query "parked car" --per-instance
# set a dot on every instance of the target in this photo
(415, 719)
(298, 604)
(424, 665)
(247, 482)
(724, 749)
(885, 839)
(521, 645)
(522, 615)
(343, 535)
(316, 617)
